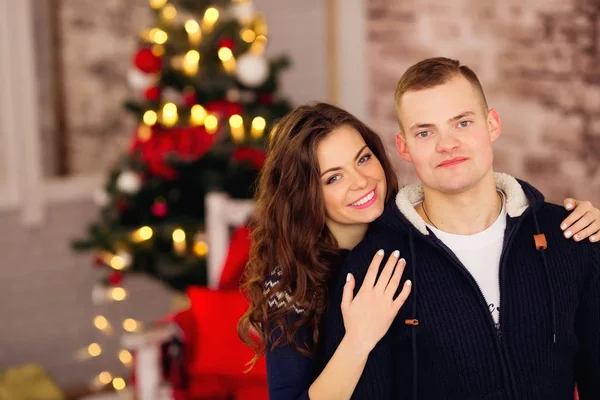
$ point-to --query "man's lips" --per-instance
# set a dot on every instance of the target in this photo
(450, 163)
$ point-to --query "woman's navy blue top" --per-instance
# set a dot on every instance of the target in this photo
(289, 372)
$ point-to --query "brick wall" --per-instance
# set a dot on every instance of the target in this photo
(538, 61)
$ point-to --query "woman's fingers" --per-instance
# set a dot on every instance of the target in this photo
(401, 299)
(579, 229)
(582, 209)
(348, 293)
(388, 269)
(569, 203)
(371, 274)
(592, 231)
(396, 277)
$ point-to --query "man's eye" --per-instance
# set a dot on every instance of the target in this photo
(423, 134)
(464, 124)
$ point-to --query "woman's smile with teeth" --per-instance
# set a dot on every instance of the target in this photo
(365, 199)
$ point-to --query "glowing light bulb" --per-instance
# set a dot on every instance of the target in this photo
(258, 127)
(169, 114)
(211, 123)
(211, 15)
(236, 121)
(100, 322)
(201, 248)
(119, 383)
(150, 118)
(179, 244)
(169, 12)
(94, 349)
(158, 36)
(190, 62)
(191, 26)
(125, 357)
(197, 115)
(144, 132)
(118, 294)
(248, 35)
(104, 377)
(178, 235)
(130, 325)
(117, 262)
(225, 54)
(259, 44)
(156, 4)
(193, 30)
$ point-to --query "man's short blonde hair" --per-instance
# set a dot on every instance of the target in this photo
(432, 72)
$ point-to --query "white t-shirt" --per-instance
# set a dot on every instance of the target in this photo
(480, 253)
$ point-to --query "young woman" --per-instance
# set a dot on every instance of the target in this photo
(325, 179)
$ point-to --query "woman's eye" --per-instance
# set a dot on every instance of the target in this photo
(364, 159)
(334, 178)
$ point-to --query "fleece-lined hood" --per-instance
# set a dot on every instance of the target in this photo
(400, 211)
(400, 215)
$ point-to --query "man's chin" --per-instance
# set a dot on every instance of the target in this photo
(450, 187)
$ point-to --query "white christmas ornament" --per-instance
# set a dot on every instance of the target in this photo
(171, 95)
(125, 257)
(129, 182)
(243, 12)
(252, 69)
(101, 198)
(140, 80)
(233, 95)
(99, 295)
(247, 96)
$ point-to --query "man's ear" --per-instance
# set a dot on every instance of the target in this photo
(402, 147)
(494, 125)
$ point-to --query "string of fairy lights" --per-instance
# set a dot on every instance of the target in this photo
(189, 62)
(168, 115)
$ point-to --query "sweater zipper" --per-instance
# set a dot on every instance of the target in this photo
(503, 257)
(496, 328)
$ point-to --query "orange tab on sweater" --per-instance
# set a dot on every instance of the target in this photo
(540, 241)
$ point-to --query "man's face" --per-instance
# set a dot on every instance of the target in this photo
(448, 135)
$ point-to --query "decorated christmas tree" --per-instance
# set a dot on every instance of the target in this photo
(205, 95)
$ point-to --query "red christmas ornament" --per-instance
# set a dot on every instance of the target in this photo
(152, 93)
(189, 98)
(226, 42)
(121, 205)
(188, 143)
(254, 156)
(114, 278)
(266, 99)
(147, 61)
(98, 261)
(159, 208)
(224, 108)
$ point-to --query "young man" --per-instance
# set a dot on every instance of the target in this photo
(502, 307)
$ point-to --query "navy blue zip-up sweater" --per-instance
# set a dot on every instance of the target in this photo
(443, 344)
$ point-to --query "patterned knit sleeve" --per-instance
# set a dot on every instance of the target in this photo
(278, 297)
(289, 373)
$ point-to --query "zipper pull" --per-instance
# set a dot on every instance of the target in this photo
(498, 331)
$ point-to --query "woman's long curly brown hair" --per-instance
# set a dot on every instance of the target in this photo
(289, 231)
